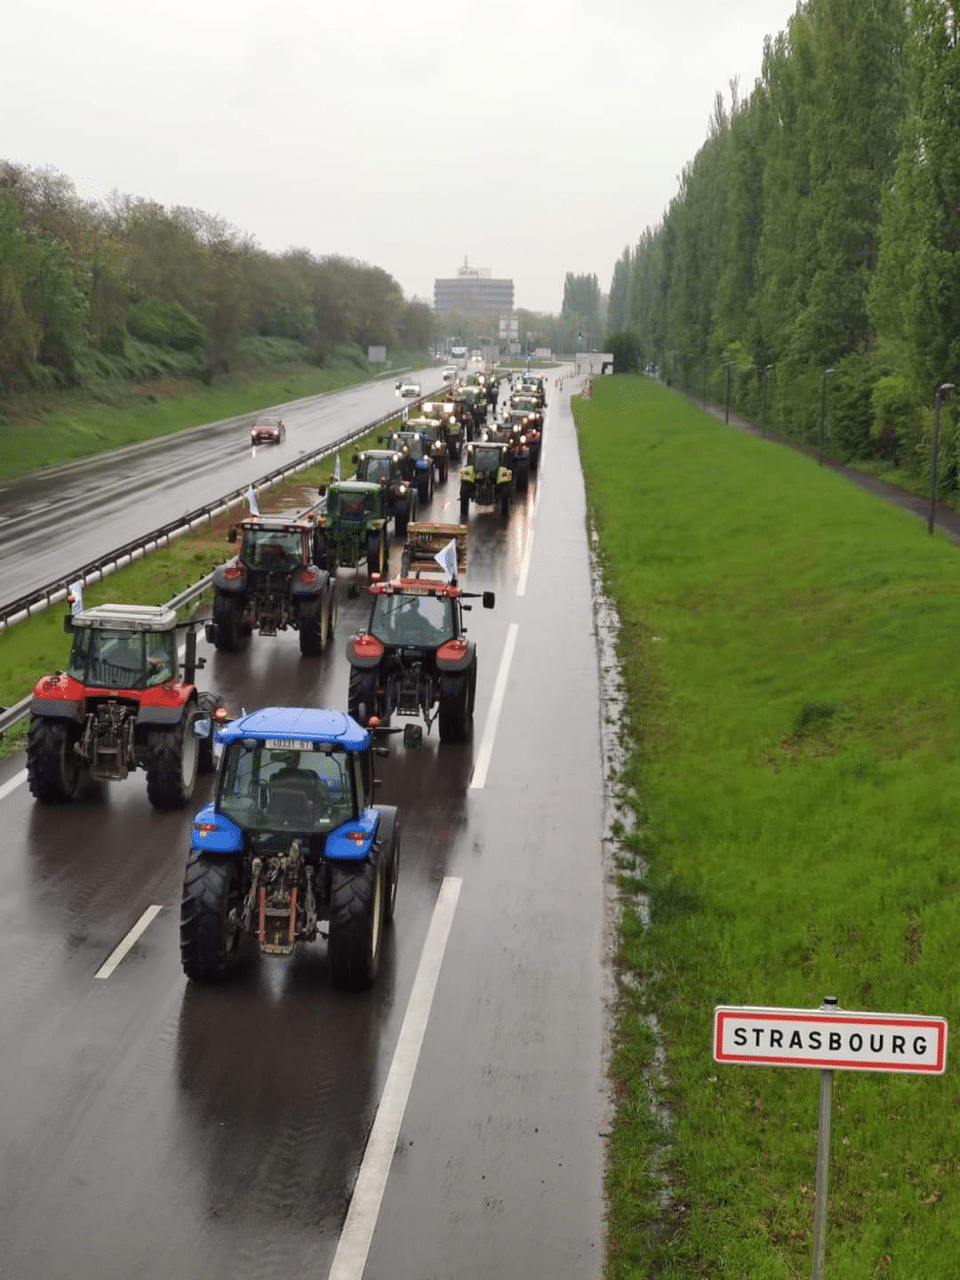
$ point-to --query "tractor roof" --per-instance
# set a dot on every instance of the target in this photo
(295, 725)
(415, 587)
(127, 617)
(355, 486)
(278, 522)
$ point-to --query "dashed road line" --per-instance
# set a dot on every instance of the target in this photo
(117, 954)
(361, 1220)
(11, 784)
(496, 704)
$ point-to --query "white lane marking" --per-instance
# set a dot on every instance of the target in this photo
(11, 784)
(115, 956)
(496, 704)
(527, 553)
(357, 1234)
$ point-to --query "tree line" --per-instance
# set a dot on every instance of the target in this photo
(104, 289)
(813, 246)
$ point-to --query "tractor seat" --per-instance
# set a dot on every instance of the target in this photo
(289, 806)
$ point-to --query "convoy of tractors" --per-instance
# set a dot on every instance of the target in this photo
(294, 844)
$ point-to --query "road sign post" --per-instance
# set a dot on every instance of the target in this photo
(831, 1039)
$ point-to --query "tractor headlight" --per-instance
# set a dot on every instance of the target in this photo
(523, 439)
(401, 488)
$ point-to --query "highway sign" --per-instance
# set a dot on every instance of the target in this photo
(833, 1040)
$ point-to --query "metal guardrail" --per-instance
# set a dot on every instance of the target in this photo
(95, 570)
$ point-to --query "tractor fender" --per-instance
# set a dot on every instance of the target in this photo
(353, 841)
(56, 709)
(214, 832)
(164, 705)
(314, 585)
(455, 656)
(230, 577)
(364, 651)
(59, 696)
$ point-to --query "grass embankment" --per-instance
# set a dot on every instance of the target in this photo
(43, 431)
(789, 647)
(34, 647)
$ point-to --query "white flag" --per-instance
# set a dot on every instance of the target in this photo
(76, 591)
(446, 558)
(336, 469)
(252, 501)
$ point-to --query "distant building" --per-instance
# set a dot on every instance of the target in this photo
(473, 289)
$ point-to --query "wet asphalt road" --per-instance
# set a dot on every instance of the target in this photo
(153, 1128)
(55, 520)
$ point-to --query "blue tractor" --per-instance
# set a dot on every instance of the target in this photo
(292, 848)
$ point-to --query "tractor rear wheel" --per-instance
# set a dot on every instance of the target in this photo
(464, 508)
(362, 695)
(313, 624)
(505, 501)
(210, 907)
(376, 553)
(521, 474)
(357, 909)
(172, 763)
(401, 515)
(226, 618)
(53, 767)
(454, 714)
(207, 704)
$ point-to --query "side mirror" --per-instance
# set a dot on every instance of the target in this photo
(355, 458)
(413, 737)
(380, 439)
(232, 533)
(321, 489)
(211, 633)
(68, 623)
(489, 599)
(202, 727)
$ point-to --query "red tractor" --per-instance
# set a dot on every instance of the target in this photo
(414, 658)
(120, 706)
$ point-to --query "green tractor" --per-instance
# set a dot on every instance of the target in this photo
(354, 526)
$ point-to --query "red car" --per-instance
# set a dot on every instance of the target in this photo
(267, 429)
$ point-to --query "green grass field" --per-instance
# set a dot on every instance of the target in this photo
(794, 762)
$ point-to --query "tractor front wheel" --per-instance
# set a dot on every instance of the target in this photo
(53, 767)
(357, 909)
(210, 907)
(172, 763)
(401, 515)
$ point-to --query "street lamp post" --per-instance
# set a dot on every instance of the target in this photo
(706, 362)
(823, 405)
(938, 395)
(766, 392)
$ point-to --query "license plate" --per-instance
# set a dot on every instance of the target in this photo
(291, 744)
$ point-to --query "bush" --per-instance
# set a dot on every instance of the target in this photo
(625, 347)
(166, 324)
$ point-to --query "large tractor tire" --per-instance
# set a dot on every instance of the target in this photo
(357, 909)
(444, 469)
(53, 767)
(313, 625)
(454, 714)
(226, 616)
(388, 838)
(464, 509)
(362, 695)
(521, 475)
(505, 501)
(376, 553)
(207, 704)
(401, 515)
(209, 940)
(425, 485)
(173, 762)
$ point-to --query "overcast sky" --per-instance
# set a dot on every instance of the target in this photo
(535, 137)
